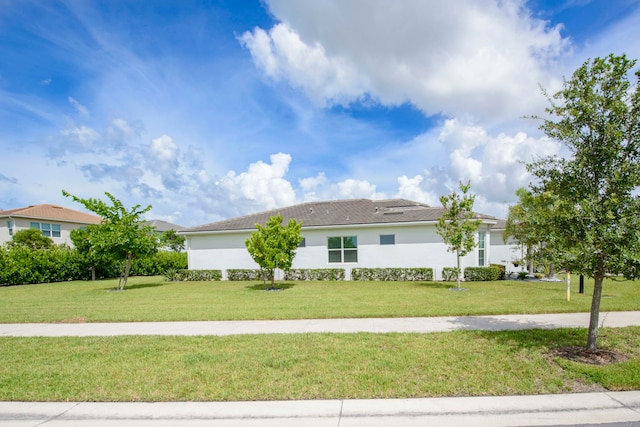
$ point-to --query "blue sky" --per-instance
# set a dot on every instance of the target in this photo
(212, 109)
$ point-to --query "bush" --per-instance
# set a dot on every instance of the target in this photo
(158, 263)
(184, 275)
(450, 274)
(481, 274)
(392, 274)
(502, 268)
(238, 274)
(21, 265)
(315, 274)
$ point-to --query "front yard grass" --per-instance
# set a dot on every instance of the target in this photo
(308, 366)
(153, 299)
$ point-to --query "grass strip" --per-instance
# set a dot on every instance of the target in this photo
(153, 299)
(308, 366)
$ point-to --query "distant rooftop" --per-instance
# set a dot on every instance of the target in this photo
(51, 212)
(163, 226)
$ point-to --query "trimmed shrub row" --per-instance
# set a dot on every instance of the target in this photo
(240, 274)
(392, 274)
(449, 274)
(314, 274)
(184, 275)
(481, 274)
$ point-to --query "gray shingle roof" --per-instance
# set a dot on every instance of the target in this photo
(336, 213)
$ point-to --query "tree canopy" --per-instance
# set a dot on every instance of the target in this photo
(31, 238)
(172, 240)
(122, 234)
(595, 225)
(456, 225)
(274, 245)
(527, 223)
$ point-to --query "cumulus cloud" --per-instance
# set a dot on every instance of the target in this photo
(263, 184)
(420, 188)
(464, 57)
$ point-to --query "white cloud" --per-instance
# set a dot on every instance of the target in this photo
(81, 109)
(355, 189)
(419, 189)
(262, 185)
(464, 57)
(83, 134)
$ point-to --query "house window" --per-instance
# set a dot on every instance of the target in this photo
(481, 248)
(387, 239)
(10, 227)
(303, 243)
(343, 249)
(48, 230)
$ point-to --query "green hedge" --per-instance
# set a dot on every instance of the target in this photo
(184, 275)
(158, 263)
(239, 274)
(315, 274)
(502, 268)
(392, 274)
(449, 274)
(481, 274)
(20, 265)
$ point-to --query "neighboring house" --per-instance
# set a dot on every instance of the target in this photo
(162, 226)
(345, 234)
(53, 221)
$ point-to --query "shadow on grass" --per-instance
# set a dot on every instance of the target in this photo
(264, 287)
(136, 286)
(435, 285)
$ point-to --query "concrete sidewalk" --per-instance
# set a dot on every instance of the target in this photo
(405, 324)
(547, 410)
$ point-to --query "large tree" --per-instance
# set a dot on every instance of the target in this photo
(457, 225)
(274, 245)
(122, 234)
(596, 213)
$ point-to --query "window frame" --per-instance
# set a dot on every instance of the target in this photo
(342, 249)
(482, 249)
(387, 239)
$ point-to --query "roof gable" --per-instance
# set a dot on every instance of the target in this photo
(51, 212)
(337, 213)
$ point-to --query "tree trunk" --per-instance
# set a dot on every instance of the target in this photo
(530, 260)
(125, 275)
(592, 339)
(552, 271)
(459, 270)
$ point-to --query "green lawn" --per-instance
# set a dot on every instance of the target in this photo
(308, 366)
(153, 299)
(304, 366)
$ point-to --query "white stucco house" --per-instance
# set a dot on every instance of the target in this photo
(55, 222)
(349, 234)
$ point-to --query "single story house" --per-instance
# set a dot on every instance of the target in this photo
(53, 221)
(346, 234)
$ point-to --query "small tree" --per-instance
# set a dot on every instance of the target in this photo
(31, 238)
(274, 246)
(122, 234)
(457, 226)
(527, 222)
(172, 240)
(596, 213)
